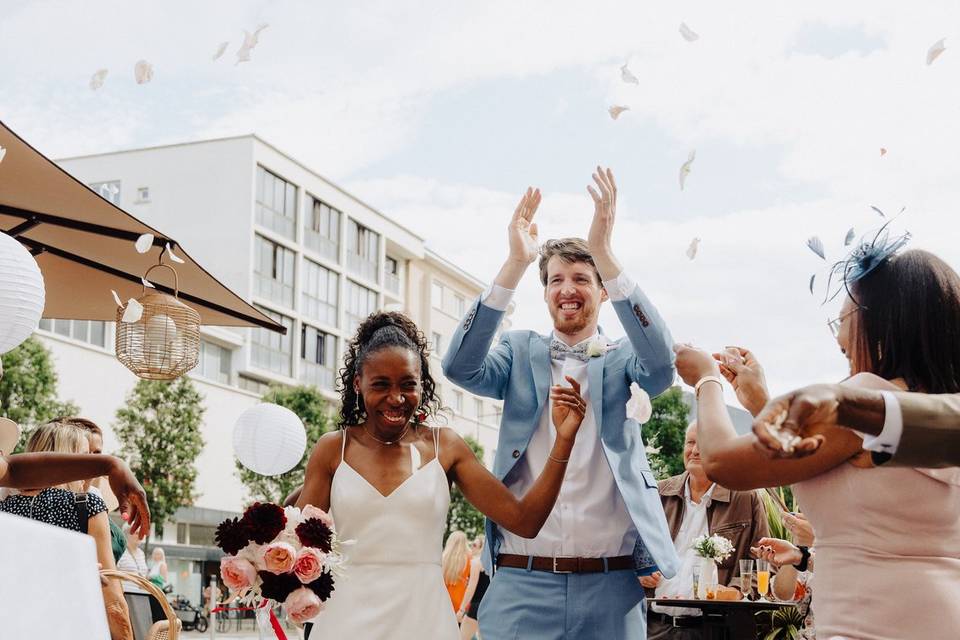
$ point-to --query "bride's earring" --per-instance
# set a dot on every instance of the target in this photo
(359, 410)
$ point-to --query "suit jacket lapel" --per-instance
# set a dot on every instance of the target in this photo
(540, 363)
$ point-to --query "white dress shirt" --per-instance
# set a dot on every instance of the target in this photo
(889, 438)
(693, 525)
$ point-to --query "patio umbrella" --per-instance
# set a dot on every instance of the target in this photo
(84, 245)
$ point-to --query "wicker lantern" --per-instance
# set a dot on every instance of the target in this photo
(165, 342)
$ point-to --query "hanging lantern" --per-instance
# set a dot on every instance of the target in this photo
(21, 293)
(269, 439)
(164, 342)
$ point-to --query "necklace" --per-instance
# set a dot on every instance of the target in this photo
(387, 442)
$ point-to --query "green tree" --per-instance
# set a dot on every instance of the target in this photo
(28, 388)
(313, 409)
(462, 515)
(159, 433)
(665, 433)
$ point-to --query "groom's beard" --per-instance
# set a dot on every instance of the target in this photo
(574, 324)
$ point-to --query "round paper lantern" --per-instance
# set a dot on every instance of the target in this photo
(269, 439)
(21, 293)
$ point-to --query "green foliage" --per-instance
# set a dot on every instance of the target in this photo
(784, 623)
(665, 433)
(778, 529)
(462, 515)
(159, 433)
(313, 409)
(28, 388)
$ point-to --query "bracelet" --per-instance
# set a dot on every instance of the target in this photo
(558, 460)
(704, 380)
(804, 558)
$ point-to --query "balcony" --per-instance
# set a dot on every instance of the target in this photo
(363, 267)
(324, 246)
(391, 282)
(319, 376)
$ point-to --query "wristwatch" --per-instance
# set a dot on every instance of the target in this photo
(804, 558)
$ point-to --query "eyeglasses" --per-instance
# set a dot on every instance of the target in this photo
(837, 322)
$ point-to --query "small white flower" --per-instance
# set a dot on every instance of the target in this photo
(639, 407)
(596, 348)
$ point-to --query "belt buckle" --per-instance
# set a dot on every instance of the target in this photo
(555, 570)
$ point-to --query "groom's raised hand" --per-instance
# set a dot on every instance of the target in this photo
(600, 236)
(523, 241)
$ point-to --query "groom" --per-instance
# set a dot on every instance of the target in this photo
(576, 579)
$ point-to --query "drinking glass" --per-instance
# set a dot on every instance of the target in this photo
(763, 579)
(746, 577)
(696, 581)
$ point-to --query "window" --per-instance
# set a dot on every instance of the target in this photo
(458, 401)
(108, 190)
(446, 299)
(214, 362)
(459, 305)
(276, 203)
(360, 302)
(274, 271)
(182, 533)
(478, 409)
(143, 194)
(322, 229)
(436, 295)
(363, 251)
(91, 331)
(202, 535)
(391, 275)
(318, 353)
(253, 385)
(320, 291)
(437, 341)
(271, 351)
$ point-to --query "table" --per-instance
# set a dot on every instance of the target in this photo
(726, 619)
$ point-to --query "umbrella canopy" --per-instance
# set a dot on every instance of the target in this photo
(84, 245)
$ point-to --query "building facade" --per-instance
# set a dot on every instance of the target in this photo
(313, 257)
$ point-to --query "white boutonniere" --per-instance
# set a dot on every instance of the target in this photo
(599, 347)
(639, 407)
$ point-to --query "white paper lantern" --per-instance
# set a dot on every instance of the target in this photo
(21, 293)
(269, 439)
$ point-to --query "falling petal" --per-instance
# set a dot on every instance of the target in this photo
(692, 249)
(143, 72)
(96, 81)
(626, 76)
(616, 110)
(639, 407)
(883, 151)
(147, 283)
(144, 243)
(220, 50)
(688, 34)
(3, 154)
(878, 211)
(174, 256)
(812, 278)
(935, 50)
(816, 245)
(133, 312)
(249, 42)
(849, 238)
(116, 298)
(685, 168)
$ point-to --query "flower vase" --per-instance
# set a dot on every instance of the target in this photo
(708, 578)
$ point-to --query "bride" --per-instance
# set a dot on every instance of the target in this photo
(385, 478)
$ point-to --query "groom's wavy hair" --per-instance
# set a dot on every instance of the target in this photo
(383, 330)
(569, 250)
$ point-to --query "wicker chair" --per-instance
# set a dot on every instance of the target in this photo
(168, 629)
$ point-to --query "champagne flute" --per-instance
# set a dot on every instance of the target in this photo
(746, 577)
(763, 579)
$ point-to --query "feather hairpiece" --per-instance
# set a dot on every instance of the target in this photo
(865, 257)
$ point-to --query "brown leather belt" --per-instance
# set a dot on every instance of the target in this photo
(565, 564)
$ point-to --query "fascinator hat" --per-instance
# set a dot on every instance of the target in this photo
(870, 253)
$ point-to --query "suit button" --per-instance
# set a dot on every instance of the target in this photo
(516, 453)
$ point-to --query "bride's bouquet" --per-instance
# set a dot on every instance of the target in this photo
(281, 554)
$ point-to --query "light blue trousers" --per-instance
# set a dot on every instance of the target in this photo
(538, 605)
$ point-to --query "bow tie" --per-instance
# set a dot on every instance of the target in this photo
(559, 351)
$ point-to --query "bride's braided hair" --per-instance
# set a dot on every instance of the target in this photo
(382, 330)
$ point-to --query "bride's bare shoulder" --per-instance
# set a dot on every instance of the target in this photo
(866, 380)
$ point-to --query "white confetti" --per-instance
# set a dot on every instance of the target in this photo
(816, 245)
(813, 279)
(250, 41)
(626, 76)
(220, 50)
(935, 50)
(3, 154)
(692, 249)
(132, 312)
(174, 256)
(883, 151)
(688, 34)
(116, 297)
(147, 283)
(144, 243)
(639, 407)
(96, 81)
(143, 72)
(616, 110)
(685, 168)
(849, 237)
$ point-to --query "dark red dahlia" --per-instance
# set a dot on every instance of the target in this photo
(277, 586)
(232, 536)
(322, 586)
(264, 521)
(314, 533)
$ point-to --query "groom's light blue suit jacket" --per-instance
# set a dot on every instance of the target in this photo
(518, 372)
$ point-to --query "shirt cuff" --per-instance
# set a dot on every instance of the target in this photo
(497, 298)
(620, 287)
(889, 438)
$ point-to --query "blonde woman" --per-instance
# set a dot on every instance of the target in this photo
(479, 581)
(457, 571)
(158, 568)
(67, 507)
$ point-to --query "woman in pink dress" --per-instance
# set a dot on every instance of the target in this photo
(888, 539)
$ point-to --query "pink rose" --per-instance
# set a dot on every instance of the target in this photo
(237, 573)
(309, 564)
(303, 605)
(311, 511)
(278, 557)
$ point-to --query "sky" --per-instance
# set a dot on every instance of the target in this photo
(441, 114)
